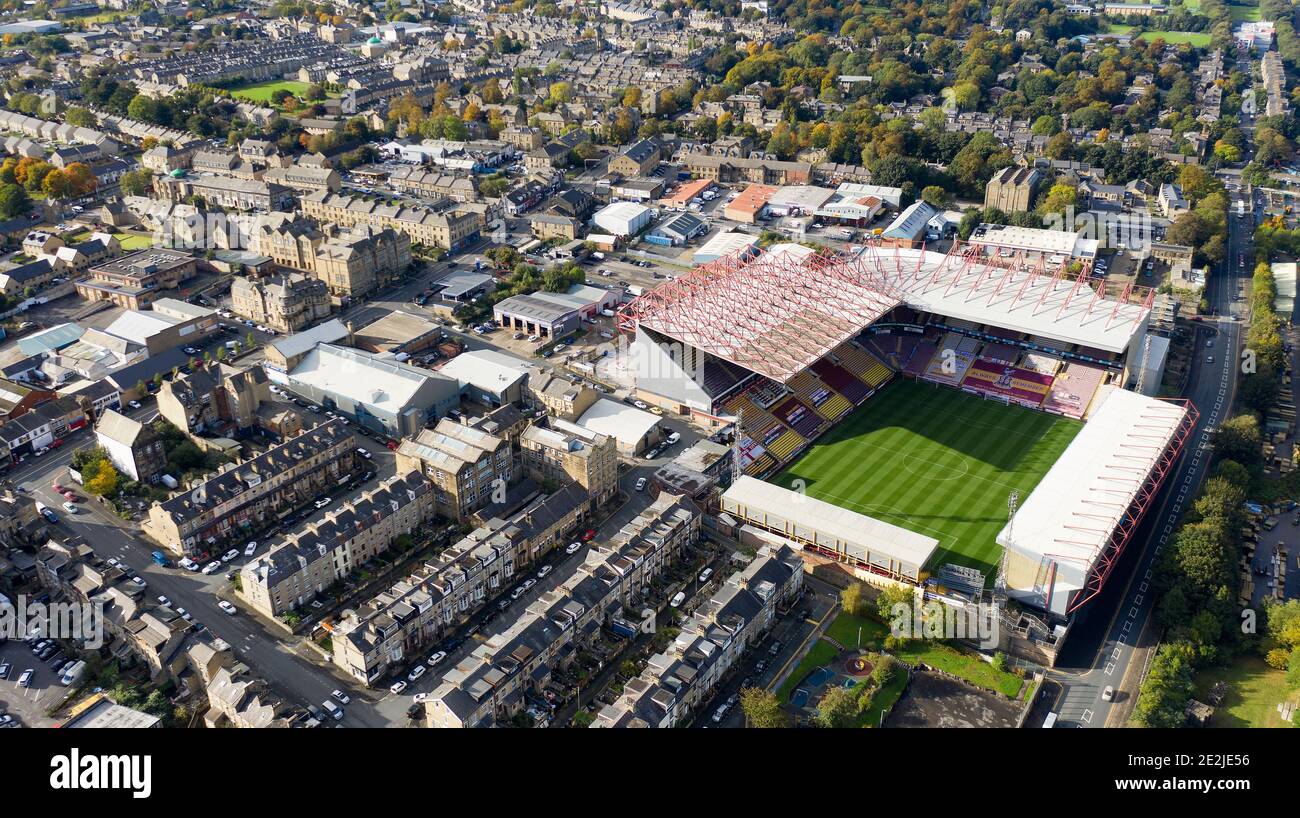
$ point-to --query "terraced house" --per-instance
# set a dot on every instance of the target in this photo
(736, 616)
(399, 624)
(488, 686)
(246, 497)
(448, 229)
(311, 560)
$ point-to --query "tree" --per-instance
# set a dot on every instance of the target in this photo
(137, 182)
(100, 477)
(762, 709)
(14, 201)
(1239, 439)
(851, 598)
(56, 185)
(936, 195)
(1162, 699)
(884, 671)
(838, 709)
(890, 597)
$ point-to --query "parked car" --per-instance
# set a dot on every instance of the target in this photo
(398, 686)
(212, 567)
(573, 548)
(436, 658)
(415, 674)
(71, 508)
(25, 680)
(341, 696)
(322, 502)
(640, 484)
(164, 601)
(250, 549)
(546, 569)
(230, 610)
(230, 555)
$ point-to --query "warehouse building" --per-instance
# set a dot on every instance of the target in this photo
(622, 218)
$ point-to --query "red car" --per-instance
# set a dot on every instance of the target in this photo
(71, 495)
(588, 534)
(56, 443)
(391, 444)
(59, 489)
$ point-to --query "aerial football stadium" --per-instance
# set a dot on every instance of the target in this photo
(911, 414)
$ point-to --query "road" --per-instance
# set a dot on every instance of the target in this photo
(292, 668)
(1103, 643)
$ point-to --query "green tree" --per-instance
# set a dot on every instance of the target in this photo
(762, 709)
(838, 709)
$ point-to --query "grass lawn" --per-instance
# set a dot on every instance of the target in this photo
(821, 653)
(261, 92)
(937, 462)
(129, 241)
(1192, 5)
(1119, 28)
(966, 665)
(1244, 12)
(1254, 690)
(882, 700)
(133, 241)
(1196, 38)
(845, 631)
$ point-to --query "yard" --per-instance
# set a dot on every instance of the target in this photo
(1254, 692)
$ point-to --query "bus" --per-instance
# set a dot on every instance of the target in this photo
(1050, 721)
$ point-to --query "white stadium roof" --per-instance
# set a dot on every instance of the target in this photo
(865, 539)
(1064, 527)
(985, 292)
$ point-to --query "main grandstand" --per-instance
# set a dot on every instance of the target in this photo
(785, 346)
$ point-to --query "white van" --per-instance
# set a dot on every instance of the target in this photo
(72, 673)
(677, 599)
(333, 709)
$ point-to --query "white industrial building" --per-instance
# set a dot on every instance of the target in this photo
(622, 218)
(725, 244)
(634, 430)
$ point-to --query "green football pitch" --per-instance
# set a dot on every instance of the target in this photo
(935, 461)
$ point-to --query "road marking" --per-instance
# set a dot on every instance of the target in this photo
(1087, 716)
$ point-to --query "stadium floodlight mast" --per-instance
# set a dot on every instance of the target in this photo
(1013, 500)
